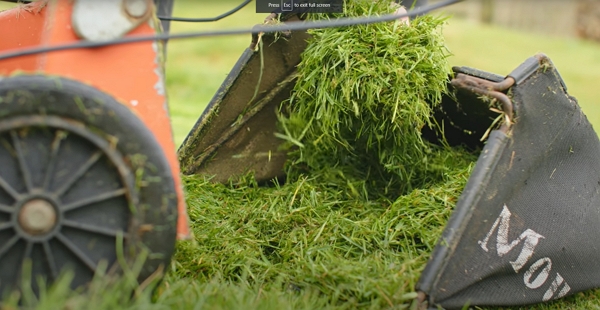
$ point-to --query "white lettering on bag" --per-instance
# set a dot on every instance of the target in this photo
(558, 281)
(541, 277)
(503, 247)
(538, 273)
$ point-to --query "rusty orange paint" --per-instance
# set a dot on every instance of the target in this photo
(131, 73)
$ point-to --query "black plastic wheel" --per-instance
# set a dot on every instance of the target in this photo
(80, 172)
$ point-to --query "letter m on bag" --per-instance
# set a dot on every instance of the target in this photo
(528, 240)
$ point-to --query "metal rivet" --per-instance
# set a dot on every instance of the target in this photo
(37, 216)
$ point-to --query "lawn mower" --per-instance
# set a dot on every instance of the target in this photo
(90, 177)
(88, 160)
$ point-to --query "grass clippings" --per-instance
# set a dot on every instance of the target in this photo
(328, 245)
(306, 236)
(473, 45)
(362, 97)
(365, 198)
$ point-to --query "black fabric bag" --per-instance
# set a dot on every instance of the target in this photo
(526, 229)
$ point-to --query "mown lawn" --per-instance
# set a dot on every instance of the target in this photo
(236, 225)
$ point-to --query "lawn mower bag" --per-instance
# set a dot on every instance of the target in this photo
(525, 228)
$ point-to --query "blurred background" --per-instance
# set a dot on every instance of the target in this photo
(491, 35)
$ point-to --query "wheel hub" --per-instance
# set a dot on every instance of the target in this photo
(37, 217)
(81, 177)
(64, 199)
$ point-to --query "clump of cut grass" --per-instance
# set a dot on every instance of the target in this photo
(365, 198)
(362, 97)
(306, 236)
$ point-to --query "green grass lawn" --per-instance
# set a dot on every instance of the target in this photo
(238, 229)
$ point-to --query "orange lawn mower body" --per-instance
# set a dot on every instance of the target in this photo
(100, 116)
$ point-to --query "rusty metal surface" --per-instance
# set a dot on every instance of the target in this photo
(235, 134)
(465, 119)
(492, 89)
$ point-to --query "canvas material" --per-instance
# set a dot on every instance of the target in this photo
(525, 229)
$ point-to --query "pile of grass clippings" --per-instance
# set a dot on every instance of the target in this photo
(366, 198)
(305, 236)
(362, 97)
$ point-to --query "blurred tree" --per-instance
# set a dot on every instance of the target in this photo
(588, 19)
(487, 11)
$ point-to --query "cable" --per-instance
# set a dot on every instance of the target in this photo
(292, 26)
(205, 20)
